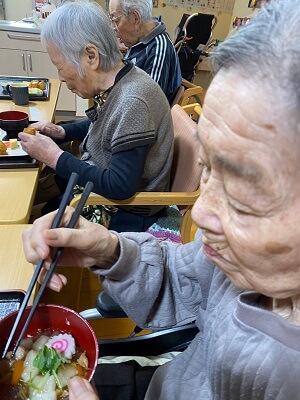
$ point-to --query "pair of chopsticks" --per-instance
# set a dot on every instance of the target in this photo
(56, 223)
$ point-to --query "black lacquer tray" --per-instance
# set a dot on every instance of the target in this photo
(4, 80)
(10, 301)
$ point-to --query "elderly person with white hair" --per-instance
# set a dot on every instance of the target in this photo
(239, 280)
(149, 45)
(128, 135)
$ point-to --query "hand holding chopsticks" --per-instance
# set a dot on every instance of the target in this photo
(56, 257)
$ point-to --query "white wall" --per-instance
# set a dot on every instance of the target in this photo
(241, 8)
(172, 17)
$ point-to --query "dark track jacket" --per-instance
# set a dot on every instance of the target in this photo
(156, 55)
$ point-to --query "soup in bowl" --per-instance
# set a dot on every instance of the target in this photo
(58, 345)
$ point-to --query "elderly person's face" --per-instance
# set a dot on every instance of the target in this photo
(249, 208)
(84, 87)
(125, 26)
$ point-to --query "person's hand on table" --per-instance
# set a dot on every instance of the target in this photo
(87, 245)
(50, 129)
(81, 389)
(41, 148)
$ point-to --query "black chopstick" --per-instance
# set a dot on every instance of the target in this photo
(55, 224)
(87, 190)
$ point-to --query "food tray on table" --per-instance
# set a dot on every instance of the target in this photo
(4, 80)
(16, 158)
(10, 301)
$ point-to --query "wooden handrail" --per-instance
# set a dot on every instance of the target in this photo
(145, 198)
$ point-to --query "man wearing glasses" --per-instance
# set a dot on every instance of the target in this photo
(149, 46)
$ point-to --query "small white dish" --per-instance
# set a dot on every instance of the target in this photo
(15, 152)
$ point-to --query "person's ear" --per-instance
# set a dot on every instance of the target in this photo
(136, 17)
(92, 55)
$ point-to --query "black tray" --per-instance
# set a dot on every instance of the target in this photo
(18, 162)
(7, 79)
(10, 301)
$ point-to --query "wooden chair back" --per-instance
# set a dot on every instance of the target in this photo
(189, 93)
(185, 172)
(185, 175)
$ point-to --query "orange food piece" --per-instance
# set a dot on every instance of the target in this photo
(17, 372)
(33, 84)
(80, 370)
(2, 149)
(30, 131)
(42, 85)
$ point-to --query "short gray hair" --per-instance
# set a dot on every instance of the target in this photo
(144, 7)
(267, 49)
(74, 25)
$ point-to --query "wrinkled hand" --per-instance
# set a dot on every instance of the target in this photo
(87, 245)
(81, 389)
(41, 148)
(50, 129)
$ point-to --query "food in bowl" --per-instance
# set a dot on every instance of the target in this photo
(43, 366)
(30, 130)
(3, 151)
(53, 333)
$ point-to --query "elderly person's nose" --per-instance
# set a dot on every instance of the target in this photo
(205, 213)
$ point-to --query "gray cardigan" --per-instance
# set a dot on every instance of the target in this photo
(241, 352)
(135, 114)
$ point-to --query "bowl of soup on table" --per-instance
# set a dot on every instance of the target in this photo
(13, 122)
(58, 345)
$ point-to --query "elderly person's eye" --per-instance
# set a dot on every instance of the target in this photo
(239, 208)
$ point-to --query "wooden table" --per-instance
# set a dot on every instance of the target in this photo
(37, 110)
(15, 271)
(17, 192)
(18, 186)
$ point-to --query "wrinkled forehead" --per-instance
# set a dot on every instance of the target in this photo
(245, 102)
(246, 117)
(246, 107)
(114, 7)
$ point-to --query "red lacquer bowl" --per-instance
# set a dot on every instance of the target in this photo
(13, 122)
(56, 318)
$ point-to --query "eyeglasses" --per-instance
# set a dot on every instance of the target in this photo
(115, 20)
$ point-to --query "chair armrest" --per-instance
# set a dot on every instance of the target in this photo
(144, 198)
(173, 339)
(74, 147)
(194, 110)
(189, 84)
(191, 91)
